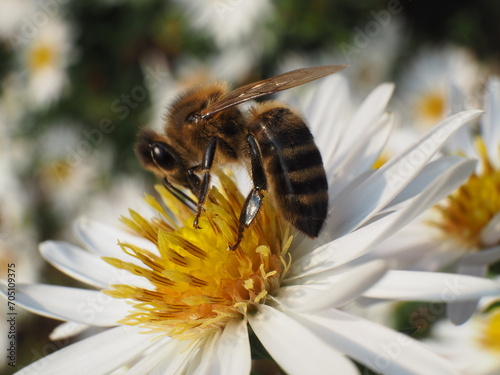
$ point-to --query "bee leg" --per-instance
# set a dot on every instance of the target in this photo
(254, 199)
(193, 179)
(204, 167)
(180, 195)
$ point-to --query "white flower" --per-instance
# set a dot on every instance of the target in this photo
(473, 348)
(229, 22)
(70, 160)
(463, 230)
(426, 86)
(198, 305)
(44, 57)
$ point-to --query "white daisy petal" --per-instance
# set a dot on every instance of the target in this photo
(57, 302)
(391, 178)
(316, 292)
(86, 267)
(296, 349)
(460, 312)
(364, 152)
(489, 124)
(490, 235)
(116, 347)
(431, 286)
(379, 348)
(484, 257)
(103, 239)
(432, 171)
(327, 107)
(357, 243)
(233, 350)
(66, 330)
(367, 115)
(203, 361)
(167, 354)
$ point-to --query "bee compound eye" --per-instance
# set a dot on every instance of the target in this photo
(162, 156)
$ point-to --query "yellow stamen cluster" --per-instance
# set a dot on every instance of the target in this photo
(197, 283)
(467, 211)
(490, 332)
(41, 56)
(431, 107)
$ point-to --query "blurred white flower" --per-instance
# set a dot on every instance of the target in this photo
(44, 58)
(70, 162)
(229, 22)
(426, 84)
(472, 348)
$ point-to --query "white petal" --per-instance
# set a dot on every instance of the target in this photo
(358, 243)
(379, 348)
(167, 356)
(367, 116)
(86, 267)
(71, 304)
(490, 235)
(489, 125)
(381, 187)
(295, 348)
(416, 251)
(103, 239)
(431, 172)
(98, 354)
(363, 154)
(66, 330)
(331, 289)
(75, 262)
(431, 286)
(460, 312)
(233, 350)
(202, 361)
(326, 111)
(483, 257)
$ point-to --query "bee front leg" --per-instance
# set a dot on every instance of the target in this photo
(203, 185)
(253, 201)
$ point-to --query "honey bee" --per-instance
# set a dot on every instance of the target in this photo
(204, 127)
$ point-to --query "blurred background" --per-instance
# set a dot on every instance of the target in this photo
(79, 78)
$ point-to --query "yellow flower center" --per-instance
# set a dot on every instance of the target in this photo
(58, 172)
(470, 208)
(431, 107)
(198, 284)
(490, 332)
(41, 56)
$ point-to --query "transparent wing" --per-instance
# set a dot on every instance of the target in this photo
(268, 86)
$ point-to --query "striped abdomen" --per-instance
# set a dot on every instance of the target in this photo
(293, 166)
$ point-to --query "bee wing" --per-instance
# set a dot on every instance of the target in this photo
(281, 82)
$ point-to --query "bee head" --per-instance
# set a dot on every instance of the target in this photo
(156, 154)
